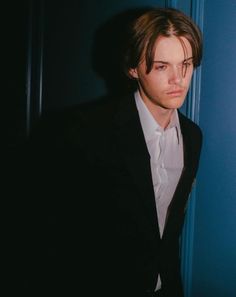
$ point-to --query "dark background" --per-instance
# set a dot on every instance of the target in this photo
(60, 54)
(48, 63)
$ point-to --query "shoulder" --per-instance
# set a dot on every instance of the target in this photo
(192, 136)
(190, 127)
(105, 108)
(69, 125)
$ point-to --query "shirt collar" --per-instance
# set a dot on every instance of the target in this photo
(148, 122)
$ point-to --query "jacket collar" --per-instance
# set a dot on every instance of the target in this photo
(133, 147)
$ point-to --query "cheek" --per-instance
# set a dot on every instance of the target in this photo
(154, 82)
(157, 81)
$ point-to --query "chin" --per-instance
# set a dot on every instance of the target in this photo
(175, 104)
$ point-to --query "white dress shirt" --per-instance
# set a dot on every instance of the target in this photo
(165, 147)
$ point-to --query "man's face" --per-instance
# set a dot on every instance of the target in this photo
(168, 82)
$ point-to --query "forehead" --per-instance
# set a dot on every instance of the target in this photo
(172, 49)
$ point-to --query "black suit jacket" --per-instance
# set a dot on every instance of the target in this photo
(97, 162)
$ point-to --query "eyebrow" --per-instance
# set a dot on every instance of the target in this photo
(164, 62)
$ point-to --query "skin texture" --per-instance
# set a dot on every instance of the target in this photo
(165, 87)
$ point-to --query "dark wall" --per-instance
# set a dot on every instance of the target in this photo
(83, 40)
(62, 53)
(14, 61)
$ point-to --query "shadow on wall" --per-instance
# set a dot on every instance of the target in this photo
(108, 50)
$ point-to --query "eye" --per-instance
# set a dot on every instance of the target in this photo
(187, 64)
(160, 67)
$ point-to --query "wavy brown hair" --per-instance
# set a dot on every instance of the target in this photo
(156, 22)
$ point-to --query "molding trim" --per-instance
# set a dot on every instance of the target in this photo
(192, 111)
(29, 69)
(171, 3)
(34, 71)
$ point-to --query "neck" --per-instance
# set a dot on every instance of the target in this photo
(161, 115)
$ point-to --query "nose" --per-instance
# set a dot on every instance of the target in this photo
(175, 76)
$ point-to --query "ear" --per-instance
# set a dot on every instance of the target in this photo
(133, 73)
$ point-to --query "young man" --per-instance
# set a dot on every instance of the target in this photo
(138, 158)
(165, 47)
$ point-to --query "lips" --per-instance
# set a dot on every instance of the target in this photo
(178, 92)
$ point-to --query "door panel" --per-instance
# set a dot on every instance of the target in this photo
(214, 253)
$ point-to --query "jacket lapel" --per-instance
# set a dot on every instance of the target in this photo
(177, 207)
(133, 147)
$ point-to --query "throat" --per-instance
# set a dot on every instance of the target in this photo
(162, 117)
